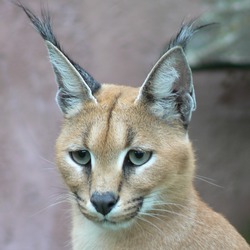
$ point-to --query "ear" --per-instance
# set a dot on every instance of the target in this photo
(76, 86)
(168, 89)
(73, 90)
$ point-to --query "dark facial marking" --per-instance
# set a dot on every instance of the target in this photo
(130, 136)
(110, 114)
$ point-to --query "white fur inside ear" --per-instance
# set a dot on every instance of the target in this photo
(163, 75)
(70, 81)
(73, 81)
(164, 79)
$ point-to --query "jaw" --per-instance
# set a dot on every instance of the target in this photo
(85, 225)
(111, 222)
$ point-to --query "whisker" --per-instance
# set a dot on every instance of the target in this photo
(152, 224)
(57, 200)
(46, 208)
(178, 214)
(154, 215)
(206, 178)
(138, 224)
(170, 192)
(207, 181)
(163, 203)
(46, 160)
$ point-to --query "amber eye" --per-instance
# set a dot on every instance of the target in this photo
(81, 157)
(138, 157)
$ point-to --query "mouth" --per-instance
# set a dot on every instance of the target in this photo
(121, 220)
(117, 217)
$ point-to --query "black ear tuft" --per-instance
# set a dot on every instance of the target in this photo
(42, 25)
(185, 34)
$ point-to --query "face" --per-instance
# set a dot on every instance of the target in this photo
(118, 160)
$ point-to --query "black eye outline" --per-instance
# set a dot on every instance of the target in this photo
(137, 157)
(81, 157)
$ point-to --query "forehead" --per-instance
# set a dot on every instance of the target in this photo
(111, 128)
(106, 124)
(111, 94)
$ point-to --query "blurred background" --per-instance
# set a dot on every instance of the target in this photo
(118, 42)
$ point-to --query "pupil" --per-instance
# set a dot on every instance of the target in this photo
(82, 153)
(138, 154)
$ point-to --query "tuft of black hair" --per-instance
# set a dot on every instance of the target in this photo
(185, 34)
(42, 25)
(44, 28)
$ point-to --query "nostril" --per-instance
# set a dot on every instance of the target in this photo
(103, 202)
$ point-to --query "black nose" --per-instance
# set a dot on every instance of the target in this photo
(104, 202)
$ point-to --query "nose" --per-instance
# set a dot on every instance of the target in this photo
(103, 202)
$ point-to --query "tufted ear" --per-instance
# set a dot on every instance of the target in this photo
(73, 90)
(168, 90)
(75, 85)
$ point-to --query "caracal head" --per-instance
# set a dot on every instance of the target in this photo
(123, 151)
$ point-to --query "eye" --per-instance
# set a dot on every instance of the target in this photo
(138, 157)
(81, 157)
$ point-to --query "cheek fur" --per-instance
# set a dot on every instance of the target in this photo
(165, 168)
(72, 173)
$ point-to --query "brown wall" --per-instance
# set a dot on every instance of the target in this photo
(116, 41)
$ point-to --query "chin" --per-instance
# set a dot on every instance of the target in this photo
(114, 226)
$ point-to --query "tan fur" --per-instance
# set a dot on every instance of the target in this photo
(176, 218)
